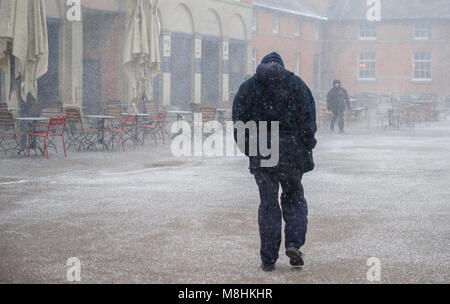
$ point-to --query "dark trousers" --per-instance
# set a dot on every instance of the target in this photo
(294, 210)
(338, 116)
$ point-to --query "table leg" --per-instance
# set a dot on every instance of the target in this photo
(136, 137)
(179, 118)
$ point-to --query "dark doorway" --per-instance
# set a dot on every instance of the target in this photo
(181, 69)
(48, 85)
(211, 71)
(238, 59)
(92, 86)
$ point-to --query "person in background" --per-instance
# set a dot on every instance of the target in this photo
(338, 100)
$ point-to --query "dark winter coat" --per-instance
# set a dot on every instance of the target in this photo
(275, 94)
(338, 99)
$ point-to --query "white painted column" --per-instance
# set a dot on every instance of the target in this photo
(198, 71)
(167, 51)
(225, 71)
(249, 59)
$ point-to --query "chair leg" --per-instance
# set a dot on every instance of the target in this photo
(154, 136)
(132, 137)
(162, 135)
(29, 145)
(123, 142)
(45, 147)
(64, 145)
(103, 142)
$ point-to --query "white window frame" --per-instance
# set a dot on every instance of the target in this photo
(298, 29)
(255, 21)
(422, 27)
(276, 24)
(298, 63)
(317, 30)
(367, 61)
(254, 60)
(364, 29)
(423, 61)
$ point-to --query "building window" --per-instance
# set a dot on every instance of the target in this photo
(255, 21)
(298, 58)
(254, 60)
(422, 67)
(297, 29)
(422, 31)
(276, 24)
(368, 30)
(317, 31)
(367, 66)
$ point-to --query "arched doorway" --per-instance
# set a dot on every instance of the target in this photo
(181, 59)
(211, 59)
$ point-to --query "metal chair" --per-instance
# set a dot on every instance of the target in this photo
(52, 108)
(55, 128)
(121, 128)
(3, 107)
(9, 137)
(78, 135)
(155, 127)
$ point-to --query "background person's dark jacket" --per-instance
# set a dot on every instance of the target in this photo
(275, 94)
(338, 99)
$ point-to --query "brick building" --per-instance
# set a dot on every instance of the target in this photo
(322, 40)
(407, 52)
(294, 29)
(205, 44)
(209, 46)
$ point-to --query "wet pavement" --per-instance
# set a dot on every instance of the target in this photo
(146, 217)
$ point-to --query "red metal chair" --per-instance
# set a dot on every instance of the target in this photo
(155, 126)
(124, 126)
(55, 128)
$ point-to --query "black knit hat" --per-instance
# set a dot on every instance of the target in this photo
(273, 57)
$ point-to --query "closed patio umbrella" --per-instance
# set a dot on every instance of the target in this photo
(142, 57)
(23, 27)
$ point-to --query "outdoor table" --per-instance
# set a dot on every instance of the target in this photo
(30, 121)
(101, 124)
(180, 115)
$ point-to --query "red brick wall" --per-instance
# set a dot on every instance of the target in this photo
(108, 52)
(286, 43)
(394, 49)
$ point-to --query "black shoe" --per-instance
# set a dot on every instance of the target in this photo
(268, 268)
(296, 257)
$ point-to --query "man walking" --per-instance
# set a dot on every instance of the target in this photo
(337, 101)
(275, 94)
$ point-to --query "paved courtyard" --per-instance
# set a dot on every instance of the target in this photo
(146, 217)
